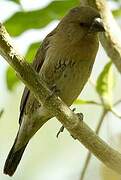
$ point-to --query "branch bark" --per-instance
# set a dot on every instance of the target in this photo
(110, 40)
(77, 128)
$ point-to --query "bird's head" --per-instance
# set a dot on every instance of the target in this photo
(82, 21)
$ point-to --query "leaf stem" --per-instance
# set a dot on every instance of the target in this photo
(115, 113)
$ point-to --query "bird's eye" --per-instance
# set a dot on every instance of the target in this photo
(82, 24)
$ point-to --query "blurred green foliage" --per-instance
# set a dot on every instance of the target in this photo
(11, 78)
(15, 1)
(117, 12)
(32, 51)
(105, 84)
(82, 102)
(23, 20)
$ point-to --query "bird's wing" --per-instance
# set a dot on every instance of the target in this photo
(37, 64)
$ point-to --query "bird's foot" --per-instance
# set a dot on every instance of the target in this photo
(60, 131)
(80, 116)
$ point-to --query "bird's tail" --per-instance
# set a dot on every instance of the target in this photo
(15, 154)
(13, 159)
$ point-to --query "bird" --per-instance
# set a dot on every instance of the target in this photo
(65, 59)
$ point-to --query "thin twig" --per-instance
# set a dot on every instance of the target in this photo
(115, 113)
(89, 155)
(117, 102)
(85, 165)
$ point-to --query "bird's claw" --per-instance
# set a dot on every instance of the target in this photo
(61, 130)
(73, 137)
(80, 116)
(74, 109)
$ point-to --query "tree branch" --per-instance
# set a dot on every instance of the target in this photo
(88, 158)
(110, 40)
(77, 128)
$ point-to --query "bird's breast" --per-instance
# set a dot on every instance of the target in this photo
(68, 69)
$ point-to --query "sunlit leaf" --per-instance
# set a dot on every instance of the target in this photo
(11, 79)
(22, 21)
(82, 102)
(105, 84)
(117, 12)
(16, 1)
(32, 51)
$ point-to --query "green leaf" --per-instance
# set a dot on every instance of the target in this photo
(11, 79)
(82, 102)
(22, 21)
(105, 84)
(117, 12)
(16, 1)
(32, 51)
(1, 113)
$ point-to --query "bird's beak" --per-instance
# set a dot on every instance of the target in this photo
(97, 25)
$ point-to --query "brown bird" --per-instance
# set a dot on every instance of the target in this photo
(65, 59)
